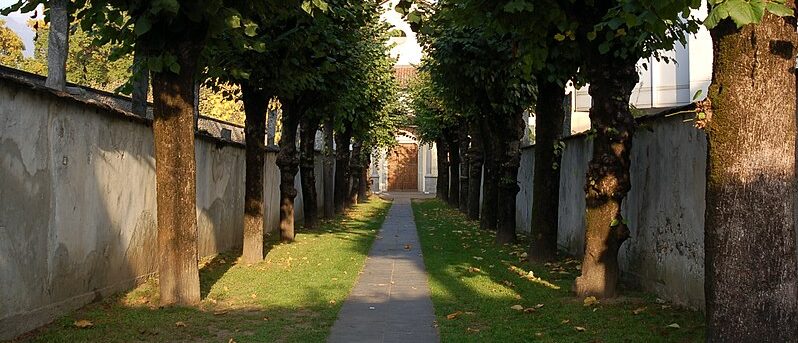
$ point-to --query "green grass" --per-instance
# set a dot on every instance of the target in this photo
(477, 283)
(293, 296)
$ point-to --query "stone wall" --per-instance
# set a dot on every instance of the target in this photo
(77, 201)
(665, 208)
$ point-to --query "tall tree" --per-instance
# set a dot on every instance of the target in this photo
(11, 46)
(58, 44)
(750, 214)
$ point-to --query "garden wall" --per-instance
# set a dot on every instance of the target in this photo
(665, 208)
(77, 201)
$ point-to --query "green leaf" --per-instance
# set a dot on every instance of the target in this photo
(698, 94)
(780, 10)
(250, 28)
(143, 25)
(234, 21)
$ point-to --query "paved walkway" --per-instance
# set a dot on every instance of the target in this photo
(391, 300)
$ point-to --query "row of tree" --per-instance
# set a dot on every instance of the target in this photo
(488, 62)
(323, 63)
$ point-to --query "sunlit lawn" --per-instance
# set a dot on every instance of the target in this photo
(475, 284)
(293, 296)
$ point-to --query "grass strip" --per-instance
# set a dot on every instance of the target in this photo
(483, 292)
(294, 295)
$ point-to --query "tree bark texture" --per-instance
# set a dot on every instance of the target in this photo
(288, 162)
(271, 125)
(509, 131)
(141, 81)
(58, 44)
(173, 133)
(464, 172)
(608, 181)
(490, 184)
(356, 171)
(363, 189)
(475, 158)
(342, 158)
(307, 169)
(255, 106)
(329, 171)
(442, 184)
(549, 116)
(453, 145)
(750, 224)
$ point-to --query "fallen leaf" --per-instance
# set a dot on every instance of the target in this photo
(590, 301)
(83, 324)
(539, 334)
(453, 315)
(517, 297)
(180, 324)
(219, 313)
(332, 302)
(565, 321)
(408, 246)
(477, 258)
(529, 310)
(474, 270)
(674, 326)
(638, 310)
(579, 328)
(472, 330)
(517, 307)
(253, 295)
(539, 305)
(508, 283)
(231, 341)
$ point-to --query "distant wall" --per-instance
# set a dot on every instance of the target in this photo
(665, 208)
(78, 208)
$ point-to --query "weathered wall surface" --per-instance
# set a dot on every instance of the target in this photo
(78, 208)
(665, 208)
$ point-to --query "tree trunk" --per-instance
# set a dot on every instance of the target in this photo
(141, 81)
(549, 116)
(512, 129)
(464, 158)
(750, 224)
(271, 123)
(58, 45)
(453, 146)
(307, 168)
(611, 84)
(173, 133)
(475, 158)
(288, 162)
(255, 106)
(490, 183)
(355, 170)
(329, 171)
(363, 189)
(442, 185)
(342, 140)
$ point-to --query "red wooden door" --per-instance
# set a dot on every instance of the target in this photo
(403, 168)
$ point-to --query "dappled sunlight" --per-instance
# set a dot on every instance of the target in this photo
(485, 292)
(294, 294)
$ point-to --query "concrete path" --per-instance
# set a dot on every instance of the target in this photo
(391, 300)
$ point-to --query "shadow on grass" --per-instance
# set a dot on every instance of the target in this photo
(479, 282)
(294, 295)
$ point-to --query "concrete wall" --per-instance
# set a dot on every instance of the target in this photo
(78, 208)
(665, 208)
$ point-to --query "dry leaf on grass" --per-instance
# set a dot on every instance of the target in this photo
(565, 321)
(539, 305)
(453, 315)
(674, 326)
(180, 324)
(638, 310)
(472, 330)
(590, 301)
(517, 307)
(83, 324)
(529, 310)
(579, 328)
